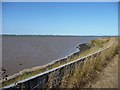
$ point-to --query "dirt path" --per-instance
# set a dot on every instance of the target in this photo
(108, 77)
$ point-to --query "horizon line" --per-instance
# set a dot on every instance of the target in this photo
(50, 35)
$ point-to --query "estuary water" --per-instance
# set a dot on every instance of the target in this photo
(22, 52)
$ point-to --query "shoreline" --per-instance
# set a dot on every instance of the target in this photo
(78, 47)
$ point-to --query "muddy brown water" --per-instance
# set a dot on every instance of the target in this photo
(22, 52)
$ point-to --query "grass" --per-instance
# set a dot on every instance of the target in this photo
(96, 45)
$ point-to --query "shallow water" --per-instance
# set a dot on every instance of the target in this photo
(20, 52)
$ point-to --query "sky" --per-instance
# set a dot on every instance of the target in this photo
(60, 18)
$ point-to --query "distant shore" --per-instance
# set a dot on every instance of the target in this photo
(59, 35)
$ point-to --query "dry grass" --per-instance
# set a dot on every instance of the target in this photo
(90, 68)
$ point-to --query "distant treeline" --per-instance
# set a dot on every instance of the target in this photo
(60, 35)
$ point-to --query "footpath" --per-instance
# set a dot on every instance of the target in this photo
(108, 77)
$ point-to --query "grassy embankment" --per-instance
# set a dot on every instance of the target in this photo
(91, 67)
(97, 45)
